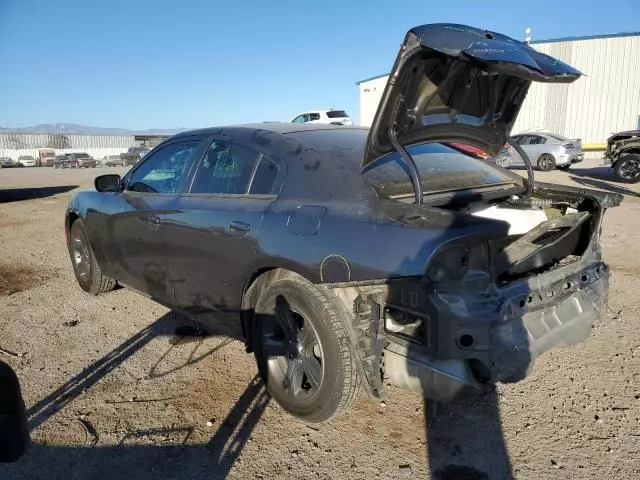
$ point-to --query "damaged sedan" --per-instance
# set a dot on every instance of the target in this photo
(354, 257)
(623, 154)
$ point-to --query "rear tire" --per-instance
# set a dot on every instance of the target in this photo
(628, 168)
(303, 351)
(85, 267)
(546, 162)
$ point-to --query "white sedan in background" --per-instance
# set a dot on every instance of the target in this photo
(333, 117)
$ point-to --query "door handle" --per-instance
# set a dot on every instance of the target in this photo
(241, 227)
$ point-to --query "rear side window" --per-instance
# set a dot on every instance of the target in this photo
(337, 114)
(225, 169)
(264, 180)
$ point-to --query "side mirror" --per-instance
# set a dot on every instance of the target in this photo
(108, 183)
(13, 418)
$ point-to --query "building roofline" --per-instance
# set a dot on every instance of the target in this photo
(587, 37)
(372, 78)
(548, 40)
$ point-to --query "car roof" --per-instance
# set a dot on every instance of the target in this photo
(276, 127)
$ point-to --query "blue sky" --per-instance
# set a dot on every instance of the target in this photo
(191, 63)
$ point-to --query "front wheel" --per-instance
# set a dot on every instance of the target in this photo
(546, 162)
(628, 168)
(85, 267)
(302, 350)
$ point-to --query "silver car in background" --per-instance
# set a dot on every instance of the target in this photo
(546, 151)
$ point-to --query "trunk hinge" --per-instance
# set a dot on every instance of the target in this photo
(527, 162)
(414, 174)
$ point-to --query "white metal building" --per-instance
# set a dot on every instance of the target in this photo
(13, 144)
(605, 100)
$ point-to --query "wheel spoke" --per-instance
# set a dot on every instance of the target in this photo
(293, 377)
(287, 321)
(312, 368)
(306, 337)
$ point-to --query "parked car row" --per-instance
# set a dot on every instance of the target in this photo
(47, 158)
(75, 160)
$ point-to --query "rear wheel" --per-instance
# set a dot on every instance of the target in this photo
(86, 269)
(302, 350)
(628, 168)
(546, 162)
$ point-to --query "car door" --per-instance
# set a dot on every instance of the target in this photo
(212, 236)
(524, 142)
(132, 234)
(536, 147)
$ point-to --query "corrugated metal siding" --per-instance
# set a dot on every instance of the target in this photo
(605, 100)
(59, 140)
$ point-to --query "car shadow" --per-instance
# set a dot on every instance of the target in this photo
(464, 437)
(600, 177)
(18, 194)
(177, 458)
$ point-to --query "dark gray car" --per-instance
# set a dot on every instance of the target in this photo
(350, 254)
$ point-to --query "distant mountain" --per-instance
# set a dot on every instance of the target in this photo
(72, 128)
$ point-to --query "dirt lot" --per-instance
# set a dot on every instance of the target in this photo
(113, 391)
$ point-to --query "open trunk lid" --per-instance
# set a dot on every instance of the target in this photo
(458, 84)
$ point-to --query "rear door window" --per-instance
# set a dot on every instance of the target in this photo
(264, 178)
(225, 169)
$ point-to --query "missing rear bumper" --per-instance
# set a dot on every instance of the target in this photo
(471, 343)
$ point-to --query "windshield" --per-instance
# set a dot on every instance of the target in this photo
(441, 167)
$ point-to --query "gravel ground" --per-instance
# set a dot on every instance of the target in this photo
(113, 390)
